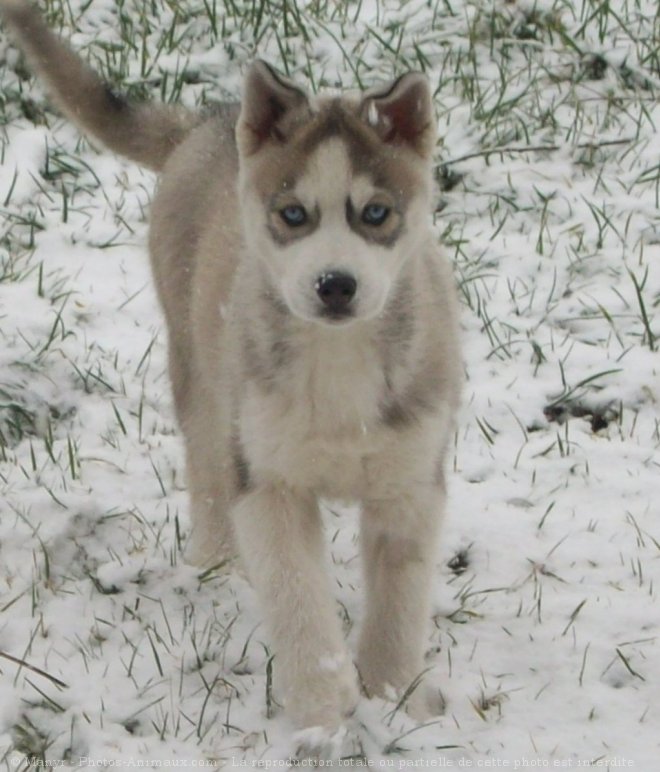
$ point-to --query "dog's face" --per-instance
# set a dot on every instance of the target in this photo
(335, 193)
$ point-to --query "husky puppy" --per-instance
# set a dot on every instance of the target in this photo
(312, 347)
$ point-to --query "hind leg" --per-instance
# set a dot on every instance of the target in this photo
(212, 473)
(212, 488)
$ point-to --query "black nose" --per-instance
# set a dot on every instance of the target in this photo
(336, 291)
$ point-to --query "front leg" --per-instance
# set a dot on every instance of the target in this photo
(281, 542)
(398, 539)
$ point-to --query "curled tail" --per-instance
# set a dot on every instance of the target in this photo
(146, 133)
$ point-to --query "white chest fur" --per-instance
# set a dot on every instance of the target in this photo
(317, 427)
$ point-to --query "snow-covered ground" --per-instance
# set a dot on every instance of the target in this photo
(545, 639)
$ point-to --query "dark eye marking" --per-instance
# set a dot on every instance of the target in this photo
(380, 221)
(375, 214)
(294, 215)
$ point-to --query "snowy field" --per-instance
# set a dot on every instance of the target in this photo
(545, 642)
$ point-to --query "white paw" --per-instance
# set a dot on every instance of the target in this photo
(318, 746)
(317, 743)
(421, 699)
(323, 698)
(425, 702)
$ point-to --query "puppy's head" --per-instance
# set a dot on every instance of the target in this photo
(335, 191)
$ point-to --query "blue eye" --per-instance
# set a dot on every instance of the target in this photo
(375, 214)
(294, 215)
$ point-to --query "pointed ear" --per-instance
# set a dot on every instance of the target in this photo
(403, 113)
(268, 99)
